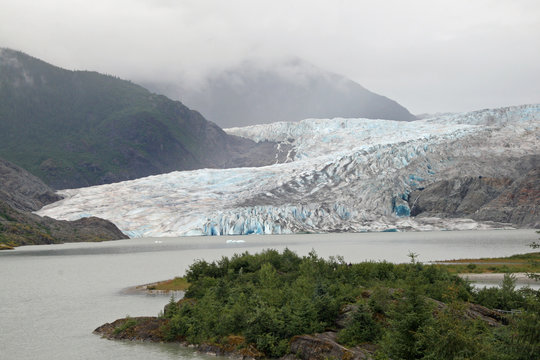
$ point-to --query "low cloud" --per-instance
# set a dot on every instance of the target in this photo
(428, 55)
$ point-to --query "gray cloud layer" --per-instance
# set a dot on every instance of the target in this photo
(429, 55)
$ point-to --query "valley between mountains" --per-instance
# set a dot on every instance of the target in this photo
(153, 167)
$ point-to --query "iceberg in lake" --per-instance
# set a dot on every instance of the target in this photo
(343, 175)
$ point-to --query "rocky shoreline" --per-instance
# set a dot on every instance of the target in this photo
(316, 346)
(21, 193)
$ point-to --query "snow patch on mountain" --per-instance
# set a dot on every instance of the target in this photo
(345, 175)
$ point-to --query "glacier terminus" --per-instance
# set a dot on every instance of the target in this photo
(342, 175)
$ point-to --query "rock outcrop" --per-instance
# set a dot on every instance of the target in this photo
(142, 328)
(518, 204)
(314, 347)
(145, 328)
(514, 200)
(323, 346)
(24, 228)
(22, 190)
(20, 193)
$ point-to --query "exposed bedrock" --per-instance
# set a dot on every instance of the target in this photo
(22, 190)
(513, 198)
(21, 193)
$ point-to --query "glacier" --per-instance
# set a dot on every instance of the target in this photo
(342, 175)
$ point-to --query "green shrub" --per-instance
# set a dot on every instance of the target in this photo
(128, 323)
(361, 328)
(268, 298)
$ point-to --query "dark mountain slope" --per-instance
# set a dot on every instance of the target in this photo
(20, 193)
(22, 190)
(24, 228)
(80, 128)
(253, 94)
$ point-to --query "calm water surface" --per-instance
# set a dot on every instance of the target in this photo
(53, 296)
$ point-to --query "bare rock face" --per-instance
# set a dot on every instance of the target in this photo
(21, 193)
(518, 204)
(323, 346)
(489, 316)
(475, 312)
(22, 190)
(90, 229)
(514, 200)
(457, 197)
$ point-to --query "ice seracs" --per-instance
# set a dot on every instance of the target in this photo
(344, 175)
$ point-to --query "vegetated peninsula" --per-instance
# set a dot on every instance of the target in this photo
(80, 128)
(20, 194)
(281, 305)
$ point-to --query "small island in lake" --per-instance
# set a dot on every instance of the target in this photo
(281, 305)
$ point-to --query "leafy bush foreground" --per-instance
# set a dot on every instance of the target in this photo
(261, 301)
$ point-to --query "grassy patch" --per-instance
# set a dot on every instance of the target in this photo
(529, 262)
(5, 246)
(129, 323)
(176, 284)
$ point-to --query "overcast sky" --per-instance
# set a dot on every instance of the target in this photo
(429, 55)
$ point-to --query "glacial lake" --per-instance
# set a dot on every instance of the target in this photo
(53, 296)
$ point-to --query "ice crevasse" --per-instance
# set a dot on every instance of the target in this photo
(344, 175)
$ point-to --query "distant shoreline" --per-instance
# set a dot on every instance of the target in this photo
(521, 278)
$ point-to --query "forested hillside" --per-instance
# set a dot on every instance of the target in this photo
(81, 128)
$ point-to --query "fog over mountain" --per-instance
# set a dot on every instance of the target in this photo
(255, 92)
(431, 56)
